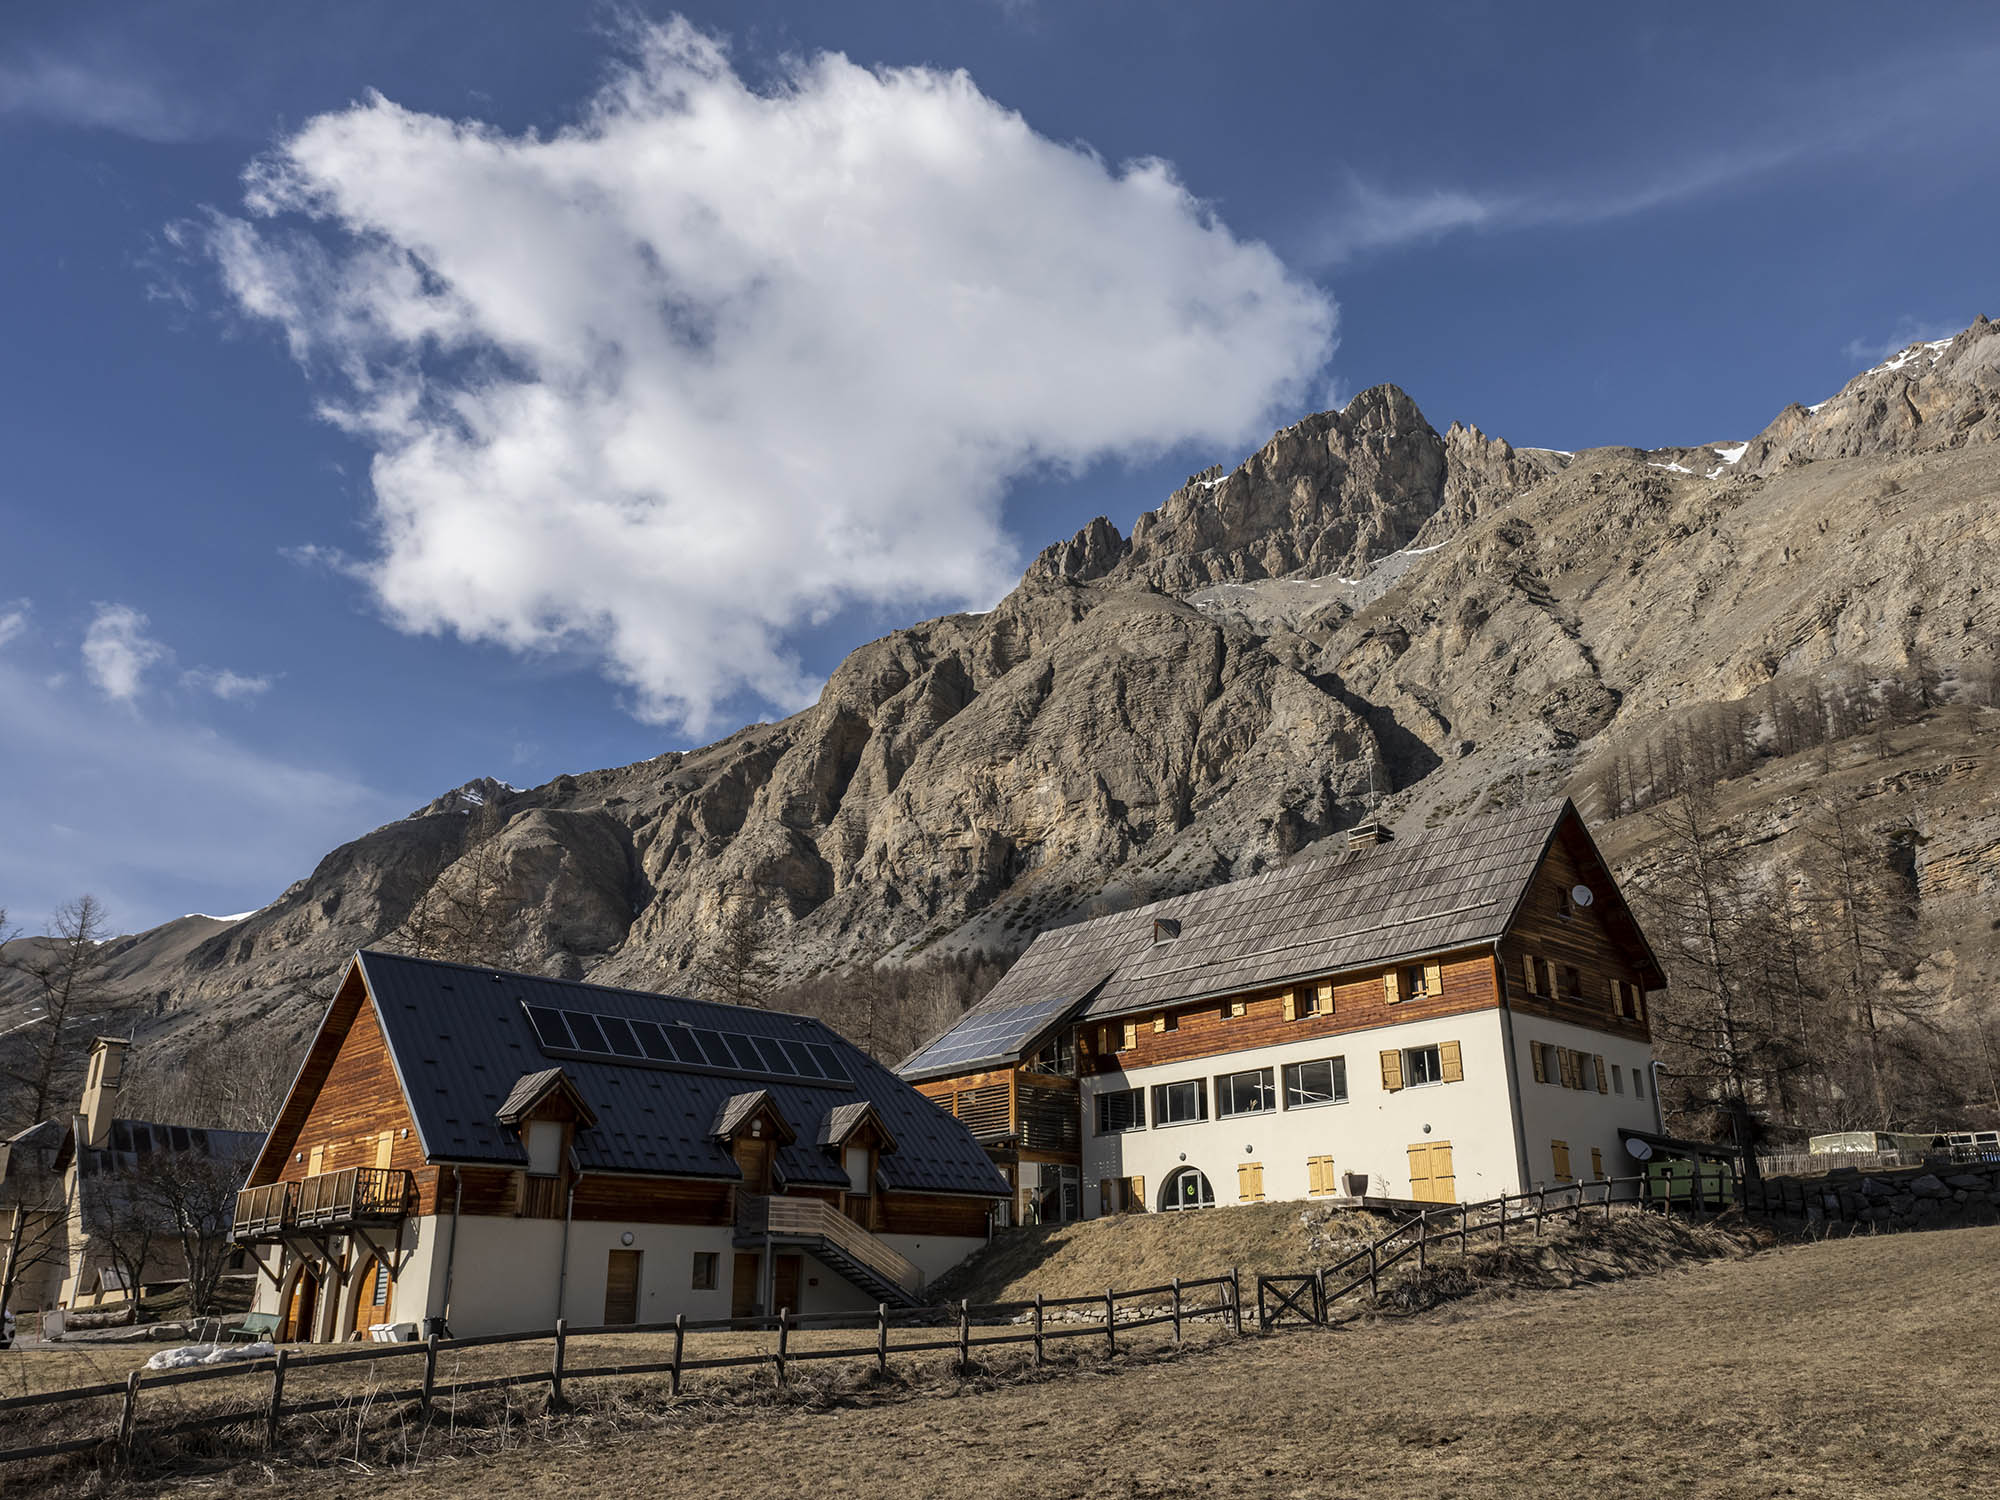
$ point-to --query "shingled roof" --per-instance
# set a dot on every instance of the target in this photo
(1454, 887)
(461, 1042)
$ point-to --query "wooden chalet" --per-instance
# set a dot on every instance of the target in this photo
(492, 1151)
(1435, 1019)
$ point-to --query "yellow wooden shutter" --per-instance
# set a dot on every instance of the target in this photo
(1434, 979)
(1160, 1021)
(1104, 1040)
(315, 1161)
(1560, 1151)
(1444, 1180)
(1451, 1066)
(1541, 1063)
(1135, 1190)
(1603, 1079)
(1250, 1181)
(1638, 1002)
(1597, 1163)
(1237, 1007)
(1319, 1174)
(1323, 1000)
(1420, 1170)
(1392, 1070)
(1528, 968)
(1131, 1035)
(1392, 988)
(1291, 1005)
(1567, 1059)
(385, 1146)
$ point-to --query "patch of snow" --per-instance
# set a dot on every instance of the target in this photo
(1732, 454)
(1678, 469)
(1934, 348)
(1714, 473)
(477, 799)
(1209, 484)
(1420, 551)
(208, 917)
(189, 1355)
(1558, 452)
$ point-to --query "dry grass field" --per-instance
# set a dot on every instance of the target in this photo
(1857, 1367)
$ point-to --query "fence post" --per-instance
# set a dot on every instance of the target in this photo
(964, 1336)
(1177, 1309)
(1374, 1269)
(430, 1372)
(882, 1338)
(784, 1338)
(1464, 1212)
(1503, 1218)
(1236, 1301)
(1110, 1321)
(556, 1363)
(1038, 1330)
(1607, 1201)
(1319, 1293)
(1541, 1204)
(680, 1342)
(1424, 1241)
(128, 1416)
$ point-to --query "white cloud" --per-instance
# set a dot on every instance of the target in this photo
(711, 363)
(13, 621)
(1908, 331)
(231, 687)
(96, 95)
(117, 652)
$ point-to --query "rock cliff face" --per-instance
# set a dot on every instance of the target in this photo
(1365, 608)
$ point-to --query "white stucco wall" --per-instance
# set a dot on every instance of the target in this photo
(1371, 1132)
(1582, 1118)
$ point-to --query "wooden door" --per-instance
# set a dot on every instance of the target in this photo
(385, 1148)
(753, 1159)
(376, 1295)
(785, 1278)
(305, 1303)
(1432, 1179)
(743, 1289)
(621, 1287)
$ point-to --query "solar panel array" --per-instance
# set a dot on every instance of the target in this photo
(981, 1037)
(675, 1044)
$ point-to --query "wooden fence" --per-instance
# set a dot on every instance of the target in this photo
(958, 1320)
(1307, 1295)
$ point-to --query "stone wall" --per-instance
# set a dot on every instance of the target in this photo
(1938, 1192)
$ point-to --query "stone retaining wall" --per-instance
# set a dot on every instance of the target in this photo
(1895, 1199)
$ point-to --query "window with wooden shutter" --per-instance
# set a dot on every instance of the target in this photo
(1104, 1041)
(1250, 1181)
(1135, 1195)
(1131, 1036)
(1160, 1021)
(1291, 1005)
(1540, 1062)
(1618, 997)
(1638, 1003)
(1319, 1174)
(1452, 1067)
(1566, 1060)
(1597, 1163)
(1560, 1151)
(1238, 1007)
(1323, 999)
(1603, 1083)
(1392, 1070)
(1528, 971)
(1433, 980)
(1392, 987)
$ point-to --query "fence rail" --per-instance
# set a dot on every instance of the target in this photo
(955, 1324)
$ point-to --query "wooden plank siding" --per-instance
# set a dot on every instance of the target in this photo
(1584, 940)
(1241, 1023)
(946, 1214)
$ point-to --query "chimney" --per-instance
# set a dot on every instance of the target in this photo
(100, 1087)
(1362, 835)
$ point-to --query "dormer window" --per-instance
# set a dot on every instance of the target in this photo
(544, 1140)
(1165, 929)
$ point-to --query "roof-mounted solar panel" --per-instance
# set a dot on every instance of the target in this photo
(622, 1039)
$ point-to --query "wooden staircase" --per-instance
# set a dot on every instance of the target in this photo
(835, 1240)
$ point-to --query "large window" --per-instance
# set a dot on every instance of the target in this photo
(1122, 1110)
(1180, 1103)
(1421, 1066)
(1322, 1081)
(1186, 1188)
(1245, 1093)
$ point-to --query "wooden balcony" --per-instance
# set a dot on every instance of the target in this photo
(328, 1201)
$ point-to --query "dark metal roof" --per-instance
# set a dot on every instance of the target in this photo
(1456, 886)
(460, 1042)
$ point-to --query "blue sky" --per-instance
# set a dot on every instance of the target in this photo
(394, 394)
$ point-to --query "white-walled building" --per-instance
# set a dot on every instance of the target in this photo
(1442, 1019)
(490, 1152)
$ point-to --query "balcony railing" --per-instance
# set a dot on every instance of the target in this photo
(329, 1200)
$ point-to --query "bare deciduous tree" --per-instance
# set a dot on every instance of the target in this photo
(63, 974)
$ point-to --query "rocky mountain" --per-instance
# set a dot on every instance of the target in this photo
(1364, 612)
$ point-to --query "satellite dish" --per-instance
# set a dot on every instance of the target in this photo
(1581, 895)
(1639, 1150)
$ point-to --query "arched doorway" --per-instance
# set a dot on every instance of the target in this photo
(374, 1295)
(303, 1310)
(1184, 1189)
